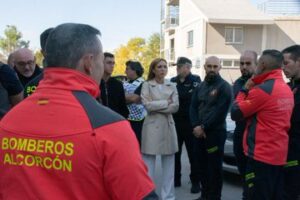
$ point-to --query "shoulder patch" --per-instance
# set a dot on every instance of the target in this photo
(267, 86)
(98, 114)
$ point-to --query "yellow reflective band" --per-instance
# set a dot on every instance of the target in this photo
(292, 163)
(42, 102)
(212, 150)
(250, 176)
(250, 185)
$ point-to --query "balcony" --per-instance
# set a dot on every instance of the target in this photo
(172, 2)
(171, 23)
(170, 56)
(162, 43)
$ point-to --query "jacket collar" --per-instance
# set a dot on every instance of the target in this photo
(154, 83)
(25, 79)
(213, 81)
(274, 74)
(296, 82)
(69, 79)
(139, 79)
(188, 77)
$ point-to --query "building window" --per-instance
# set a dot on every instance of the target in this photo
(234, 35)
(190, 38)
(236, 63)
(227, 63)
(230, 63)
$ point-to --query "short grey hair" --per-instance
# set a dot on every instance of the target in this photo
(67, 43)
(254, 54)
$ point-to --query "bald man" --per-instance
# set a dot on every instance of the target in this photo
(10, 60)
(31, 86)
(209, 108)
(266, 102)
(25, 66)
(248, 62)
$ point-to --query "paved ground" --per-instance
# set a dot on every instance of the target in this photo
(232, 188)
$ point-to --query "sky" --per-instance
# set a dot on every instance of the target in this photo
(118, 20)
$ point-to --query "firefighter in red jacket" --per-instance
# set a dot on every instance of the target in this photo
(267, 103)
(60, 143)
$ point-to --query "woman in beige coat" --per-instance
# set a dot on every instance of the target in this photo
(159, 134)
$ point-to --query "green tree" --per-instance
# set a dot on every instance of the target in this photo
(152, 51)
(12, 40)
(137, 49)
(133, 50)
(39, 58)
(121, 56)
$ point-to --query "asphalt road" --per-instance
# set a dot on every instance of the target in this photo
(232, 188)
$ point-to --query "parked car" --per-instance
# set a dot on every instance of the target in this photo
(229, 162)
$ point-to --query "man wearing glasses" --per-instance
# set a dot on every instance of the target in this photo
(25, 66)
(208, 111)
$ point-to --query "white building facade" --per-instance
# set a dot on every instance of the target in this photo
(198, 29)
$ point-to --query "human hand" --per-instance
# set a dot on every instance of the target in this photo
(199, 132)
(170, 101)
(249, 84)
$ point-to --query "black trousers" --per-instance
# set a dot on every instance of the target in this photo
(241, 158)
(137, 128)
(210, 162)
(264, 181)
(292, 171)
(185, 135)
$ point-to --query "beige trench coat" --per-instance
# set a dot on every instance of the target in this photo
(159, 134)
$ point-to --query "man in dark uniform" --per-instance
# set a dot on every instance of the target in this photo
(25, 66)
(112, 91)
(185, 83)
(30, 87)
(248, 62)
(291, 68)
(10, 89)
(208, 111)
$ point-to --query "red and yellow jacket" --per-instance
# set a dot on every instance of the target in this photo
(60, 143)
(267, 108)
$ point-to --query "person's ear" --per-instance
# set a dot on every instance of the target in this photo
(263, 66)
(88, 63)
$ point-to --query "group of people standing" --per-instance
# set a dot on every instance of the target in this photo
(264, 106)
(180, 110)
(265, 110)
(106, 159)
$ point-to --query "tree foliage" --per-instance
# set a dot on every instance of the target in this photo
(12, 40)
(39, 57)
(137, 49)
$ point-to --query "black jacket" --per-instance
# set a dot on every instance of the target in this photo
(210, 104)
(31, 86)
(113, 96)
(9, 86)
(24, 80)
(294, 132)
(240, 125)
(185, 91)
(295, 120)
